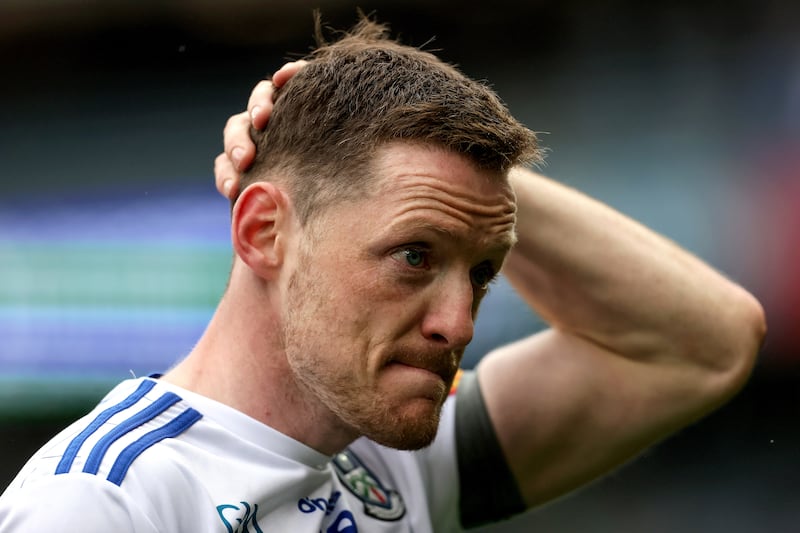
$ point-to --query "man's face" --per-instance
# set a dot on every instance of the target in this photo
(382, 303)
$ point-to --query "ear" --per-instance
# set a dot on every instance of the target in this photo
(259, 222)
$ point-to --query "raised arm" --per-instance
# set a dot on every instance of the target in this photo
(645, 339)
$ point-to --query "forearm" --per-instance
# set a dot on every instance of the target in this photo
(591, 271)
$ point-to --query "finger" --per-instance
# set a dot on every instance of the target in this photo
(259, 105)
(239, 147)
(226, 177)
(262, 98)
(287, 71)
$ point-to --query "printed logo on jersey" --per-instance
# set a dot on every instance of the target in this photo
(326, 505)
(243, 517)
(342, 522)
(379, 501)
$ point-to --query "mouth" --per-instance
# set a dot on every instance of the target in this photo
(444, 365)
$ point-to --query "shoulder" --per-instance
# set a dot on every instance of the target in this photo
(133, 419)
(78, 502)
(481, 461)
(111, 464)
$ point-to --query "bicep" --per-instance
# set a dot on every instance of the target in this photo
(566, 411)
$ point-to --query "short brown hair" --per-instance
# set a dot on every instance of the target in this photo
(363, 91)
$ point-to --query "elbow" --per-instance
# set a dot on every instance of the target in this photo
(746, 329)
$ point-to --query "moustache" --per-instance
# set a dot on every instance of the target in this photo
(444, 363)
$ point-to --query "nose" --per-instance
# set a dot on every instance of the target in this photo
(450, 320)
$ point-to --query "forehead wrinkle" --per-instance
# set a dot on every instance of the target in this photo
(499, 221)
(414, 204)
(459, 204)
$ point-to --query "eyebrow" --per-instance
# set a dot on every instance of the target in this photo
(503, 242)
(509, 239)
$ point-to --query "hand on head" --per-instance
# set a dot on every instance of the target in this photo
(239, 148)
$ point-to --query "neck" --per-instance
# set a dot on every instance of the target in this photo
(240, 361)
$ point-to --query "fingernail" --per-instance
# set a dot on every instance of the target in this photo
(227, 185)
(254, 112)
(236, 155)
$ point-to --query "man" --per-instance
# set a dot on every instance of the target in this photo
(385, 195)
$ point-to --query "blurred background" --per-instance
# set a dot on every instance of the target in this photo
(114, 245)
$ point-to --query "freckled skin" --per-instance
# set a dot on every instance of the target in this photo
(375, 336)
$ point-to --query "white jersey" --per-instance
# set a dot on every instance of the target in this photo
(154, 458)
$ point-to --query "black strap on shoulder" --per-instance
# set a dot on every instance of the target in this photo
(488, 490)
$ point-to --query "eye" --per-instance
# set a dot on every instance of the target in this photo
(413, 257)
(482, 275)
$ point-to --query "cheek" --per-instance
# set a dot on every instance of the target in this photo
(381, 312)
(366, 302)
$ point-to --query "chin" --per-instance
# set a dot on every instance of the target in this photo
(410, 428)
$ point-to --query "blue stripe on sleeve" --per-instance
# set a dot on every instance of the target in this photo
(75, 445)
(145, 415)
(174, 428)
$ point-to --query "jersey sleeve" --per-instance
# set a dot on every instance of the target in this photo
(74, 502)
(488, 491)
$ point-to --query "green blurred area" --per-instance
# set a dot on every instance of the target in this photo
(112, 274)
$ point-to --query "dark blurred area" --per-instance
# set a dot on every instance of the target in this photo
(681, 114)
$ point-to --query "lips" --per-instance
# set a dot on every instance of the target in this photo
(444, 364)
